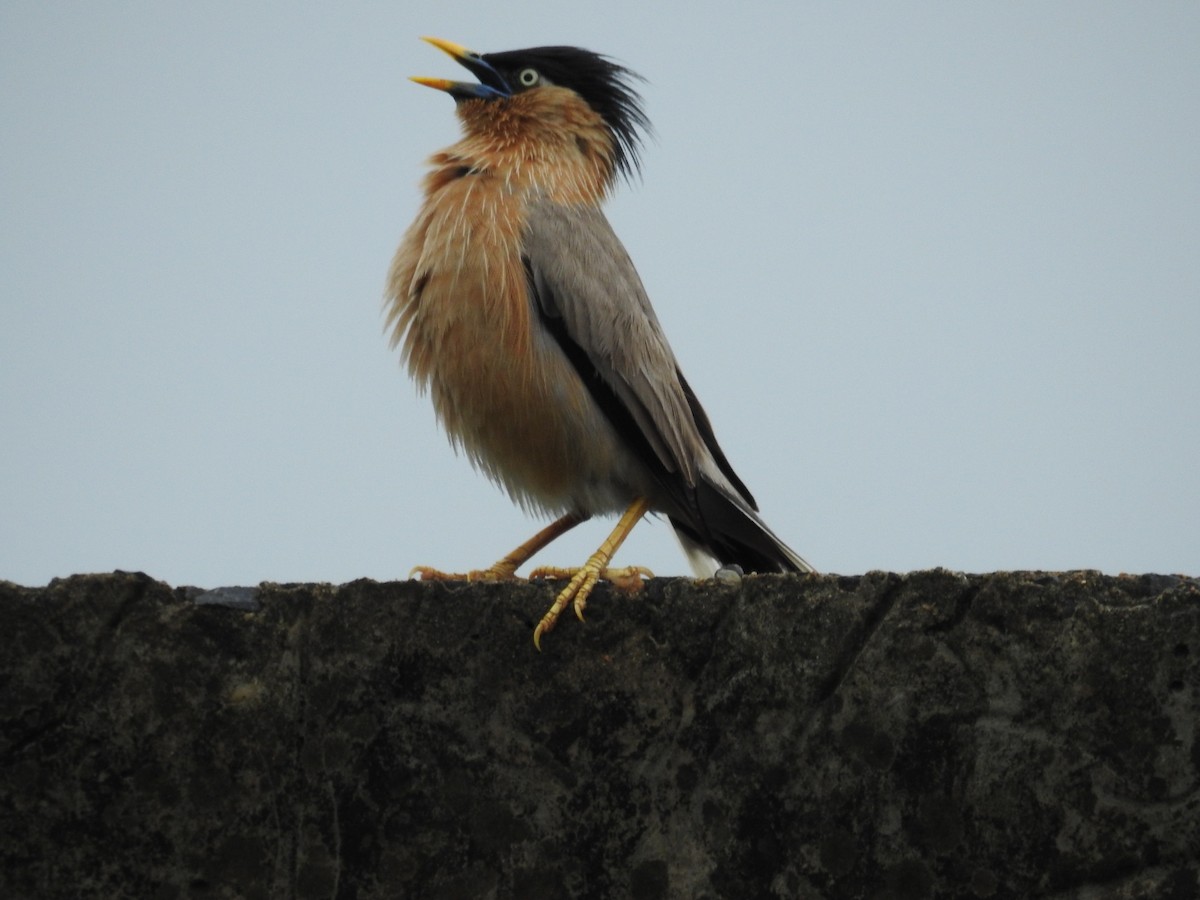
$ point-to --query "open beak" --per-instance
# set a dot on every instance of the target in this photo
(491, 83)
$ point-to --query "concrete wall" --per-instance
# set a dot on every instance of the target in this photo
(928, 735)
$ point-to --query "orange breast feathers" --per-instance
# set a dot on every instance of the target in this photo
(465, 242)
(458, 302)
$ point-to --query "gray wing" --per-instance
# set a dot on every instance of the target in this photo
(590, 299)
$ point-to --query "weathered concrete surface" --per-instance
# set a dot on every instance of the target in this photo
(933, 735)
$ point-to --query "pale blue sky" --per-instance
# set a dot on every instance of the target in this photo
(934, 270)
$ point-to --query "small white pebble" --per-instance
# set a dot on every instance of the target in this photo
(729, 574)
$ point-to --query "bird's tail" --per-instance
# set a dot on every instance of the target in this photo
(730, 532)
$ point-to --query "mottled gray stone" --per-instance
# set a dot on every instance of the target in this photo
(244, 598)
(883, 736)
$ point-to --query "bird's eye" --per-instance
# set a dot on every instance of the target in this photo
(528, 77)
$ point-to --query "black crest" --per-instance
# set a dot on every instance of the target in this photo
(605, 85)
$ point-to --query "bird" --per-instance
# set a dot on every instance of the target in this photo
(518, 310)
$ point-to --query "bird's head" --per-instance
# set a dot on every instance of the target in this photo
(601, 83)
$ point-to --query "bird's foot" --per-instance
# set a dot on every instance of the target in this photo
(626, 578)
(583, 579)
(501, 571)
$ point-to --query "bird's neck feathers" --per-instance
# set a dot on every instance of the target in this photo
(547, 141)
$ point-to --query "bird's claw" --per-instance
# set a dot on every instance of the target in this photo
(499, 572)
(583, 580)
(625, 578)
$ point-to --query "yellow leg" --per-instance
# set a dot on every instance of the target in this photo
(585, 578)
(506, 567)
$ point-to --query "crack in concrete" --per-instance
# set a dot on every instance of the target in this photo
(855, 644)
